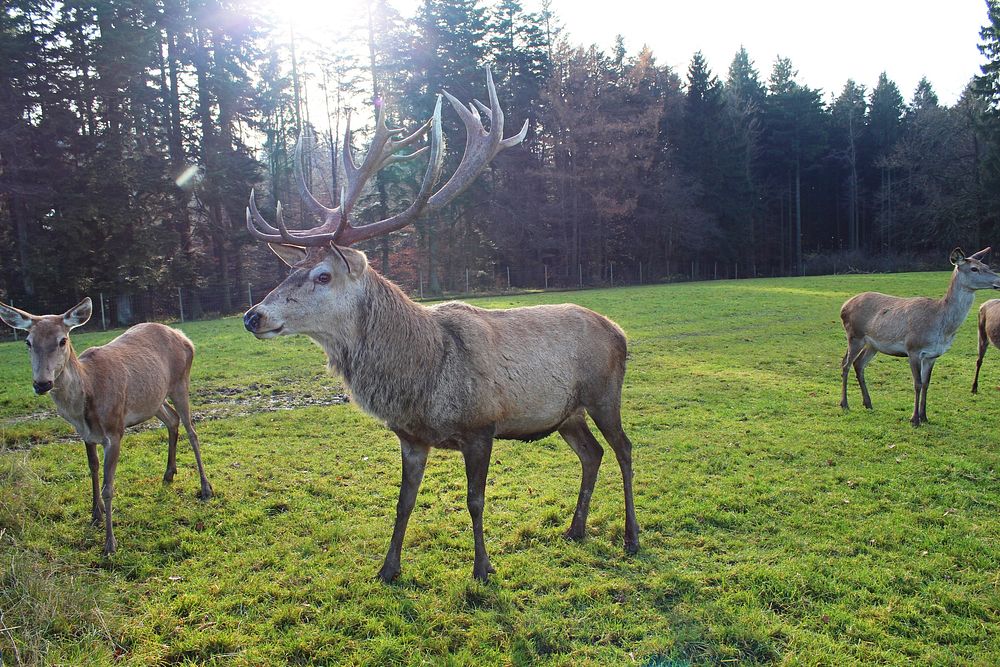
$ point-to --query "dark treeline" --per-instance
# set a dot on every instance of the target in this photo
(132, 131)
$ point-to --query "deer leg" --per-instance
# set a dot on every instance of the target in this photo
(917, 387)
(476, 451)
(414, 461)
(984, 343)
(97, 510)
(862, 360)
(926, 366)
(855, 346)
(168, 416)
(609, 421)
(575, 432)
(182, 403)
(112, 448)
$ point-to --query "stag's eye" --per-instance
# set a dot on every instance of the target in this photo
(974, 270)
(62, 342)
(28, 343)
(323, 278)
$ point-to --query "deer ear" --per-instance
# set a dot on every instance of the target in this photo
(356, 260)
(79, 314)
(957, 257)
(289, 254)
(16, 319)
(982, 253)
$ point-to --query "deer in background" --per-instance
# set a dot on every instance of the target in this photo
(452, 375)
(919, 328)
(989, 332)
(110, 387)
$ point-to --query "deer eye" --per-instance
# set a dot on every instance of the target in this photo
(28, 343)
(323, 278)
(62, 342)
(974, 269)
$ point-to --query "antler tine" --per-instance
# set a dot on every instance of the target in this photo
(509, 141)
(325, 214)
(253, 214)
(349, 234)
(480, 146)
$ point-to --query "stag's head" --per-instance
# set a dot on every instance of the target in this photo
(971, 272)
(327, 275)
(48, 339)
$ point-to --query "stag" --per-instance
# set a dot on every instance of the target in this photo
(110, 387)
(989, 332)
(919, 328)
(452, 375)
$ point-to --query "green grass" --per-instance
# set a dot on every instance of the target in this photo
(776, 529)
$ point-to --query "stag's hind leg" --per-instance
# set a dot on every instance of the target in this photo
(476, 450)
(576, 432)
(984, 344)
(168, 416)
(181, 399)
(608, 418)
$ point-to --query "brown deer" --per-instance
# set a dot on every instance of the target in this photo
(452, 375)
(110, 387)
(919, 328)
(989, 332)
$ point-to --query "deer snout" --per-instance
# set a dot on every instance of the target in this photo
(251, 320)
(42, 387)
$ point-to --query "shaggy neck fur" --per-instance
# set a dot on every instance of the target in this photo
(389, 355)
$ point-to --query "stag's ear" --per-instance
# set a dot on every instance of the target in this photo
(79, 314)
(356, 261)
(289, 254)
(16, 319)
(982, 253)
(957, 257)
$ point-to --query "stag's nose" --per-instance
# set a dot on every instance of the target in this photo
(251, 320)
(42, 387)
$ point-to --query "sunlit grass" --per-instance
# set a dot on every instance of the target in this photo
(776, 529)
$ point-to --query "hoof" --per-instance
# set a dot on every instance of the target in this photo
(168, 476)
(482, 571)
(388, 574)
(632, 547)
(110, 548)
(206, 493)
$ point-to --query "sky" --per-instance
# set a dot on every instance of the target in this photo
(827, 42)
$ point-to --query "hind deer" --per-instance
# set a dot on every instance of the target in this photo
(110, 387)
(452, 376)
(989, 332)
(919, 328)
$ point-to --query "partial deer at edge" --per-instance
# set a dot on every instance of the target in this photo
(919, 328)
(110, 387)
(452, 375)
(989, 332)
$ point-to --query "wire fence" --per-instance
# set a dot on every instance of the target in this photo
(119, 309)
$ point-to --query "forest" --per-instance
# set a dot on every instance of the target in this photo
(132, 132)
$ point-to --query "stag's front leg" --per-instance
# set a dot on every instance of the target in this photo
(97, 509)
(414, 462)
(112, 448)
(477, 452)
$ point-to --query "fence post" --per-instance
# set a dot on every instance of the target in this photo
(640, 273)
(715, 271)
(104, 321)
(508, 276)
(692, 269)
(12, 328)
(612, 273)
(546, 268)
(250, 295)
(421, 285)
(180, 303)
(579, 268)
(736, 274)
(466, 280)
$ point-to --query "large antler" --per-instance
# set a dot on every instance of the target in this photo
(480, 148)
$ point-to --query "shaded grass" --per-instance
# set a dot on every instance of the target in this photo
(776, 529)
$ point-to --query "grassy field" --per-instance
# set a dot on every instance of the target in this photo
(776, 528)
